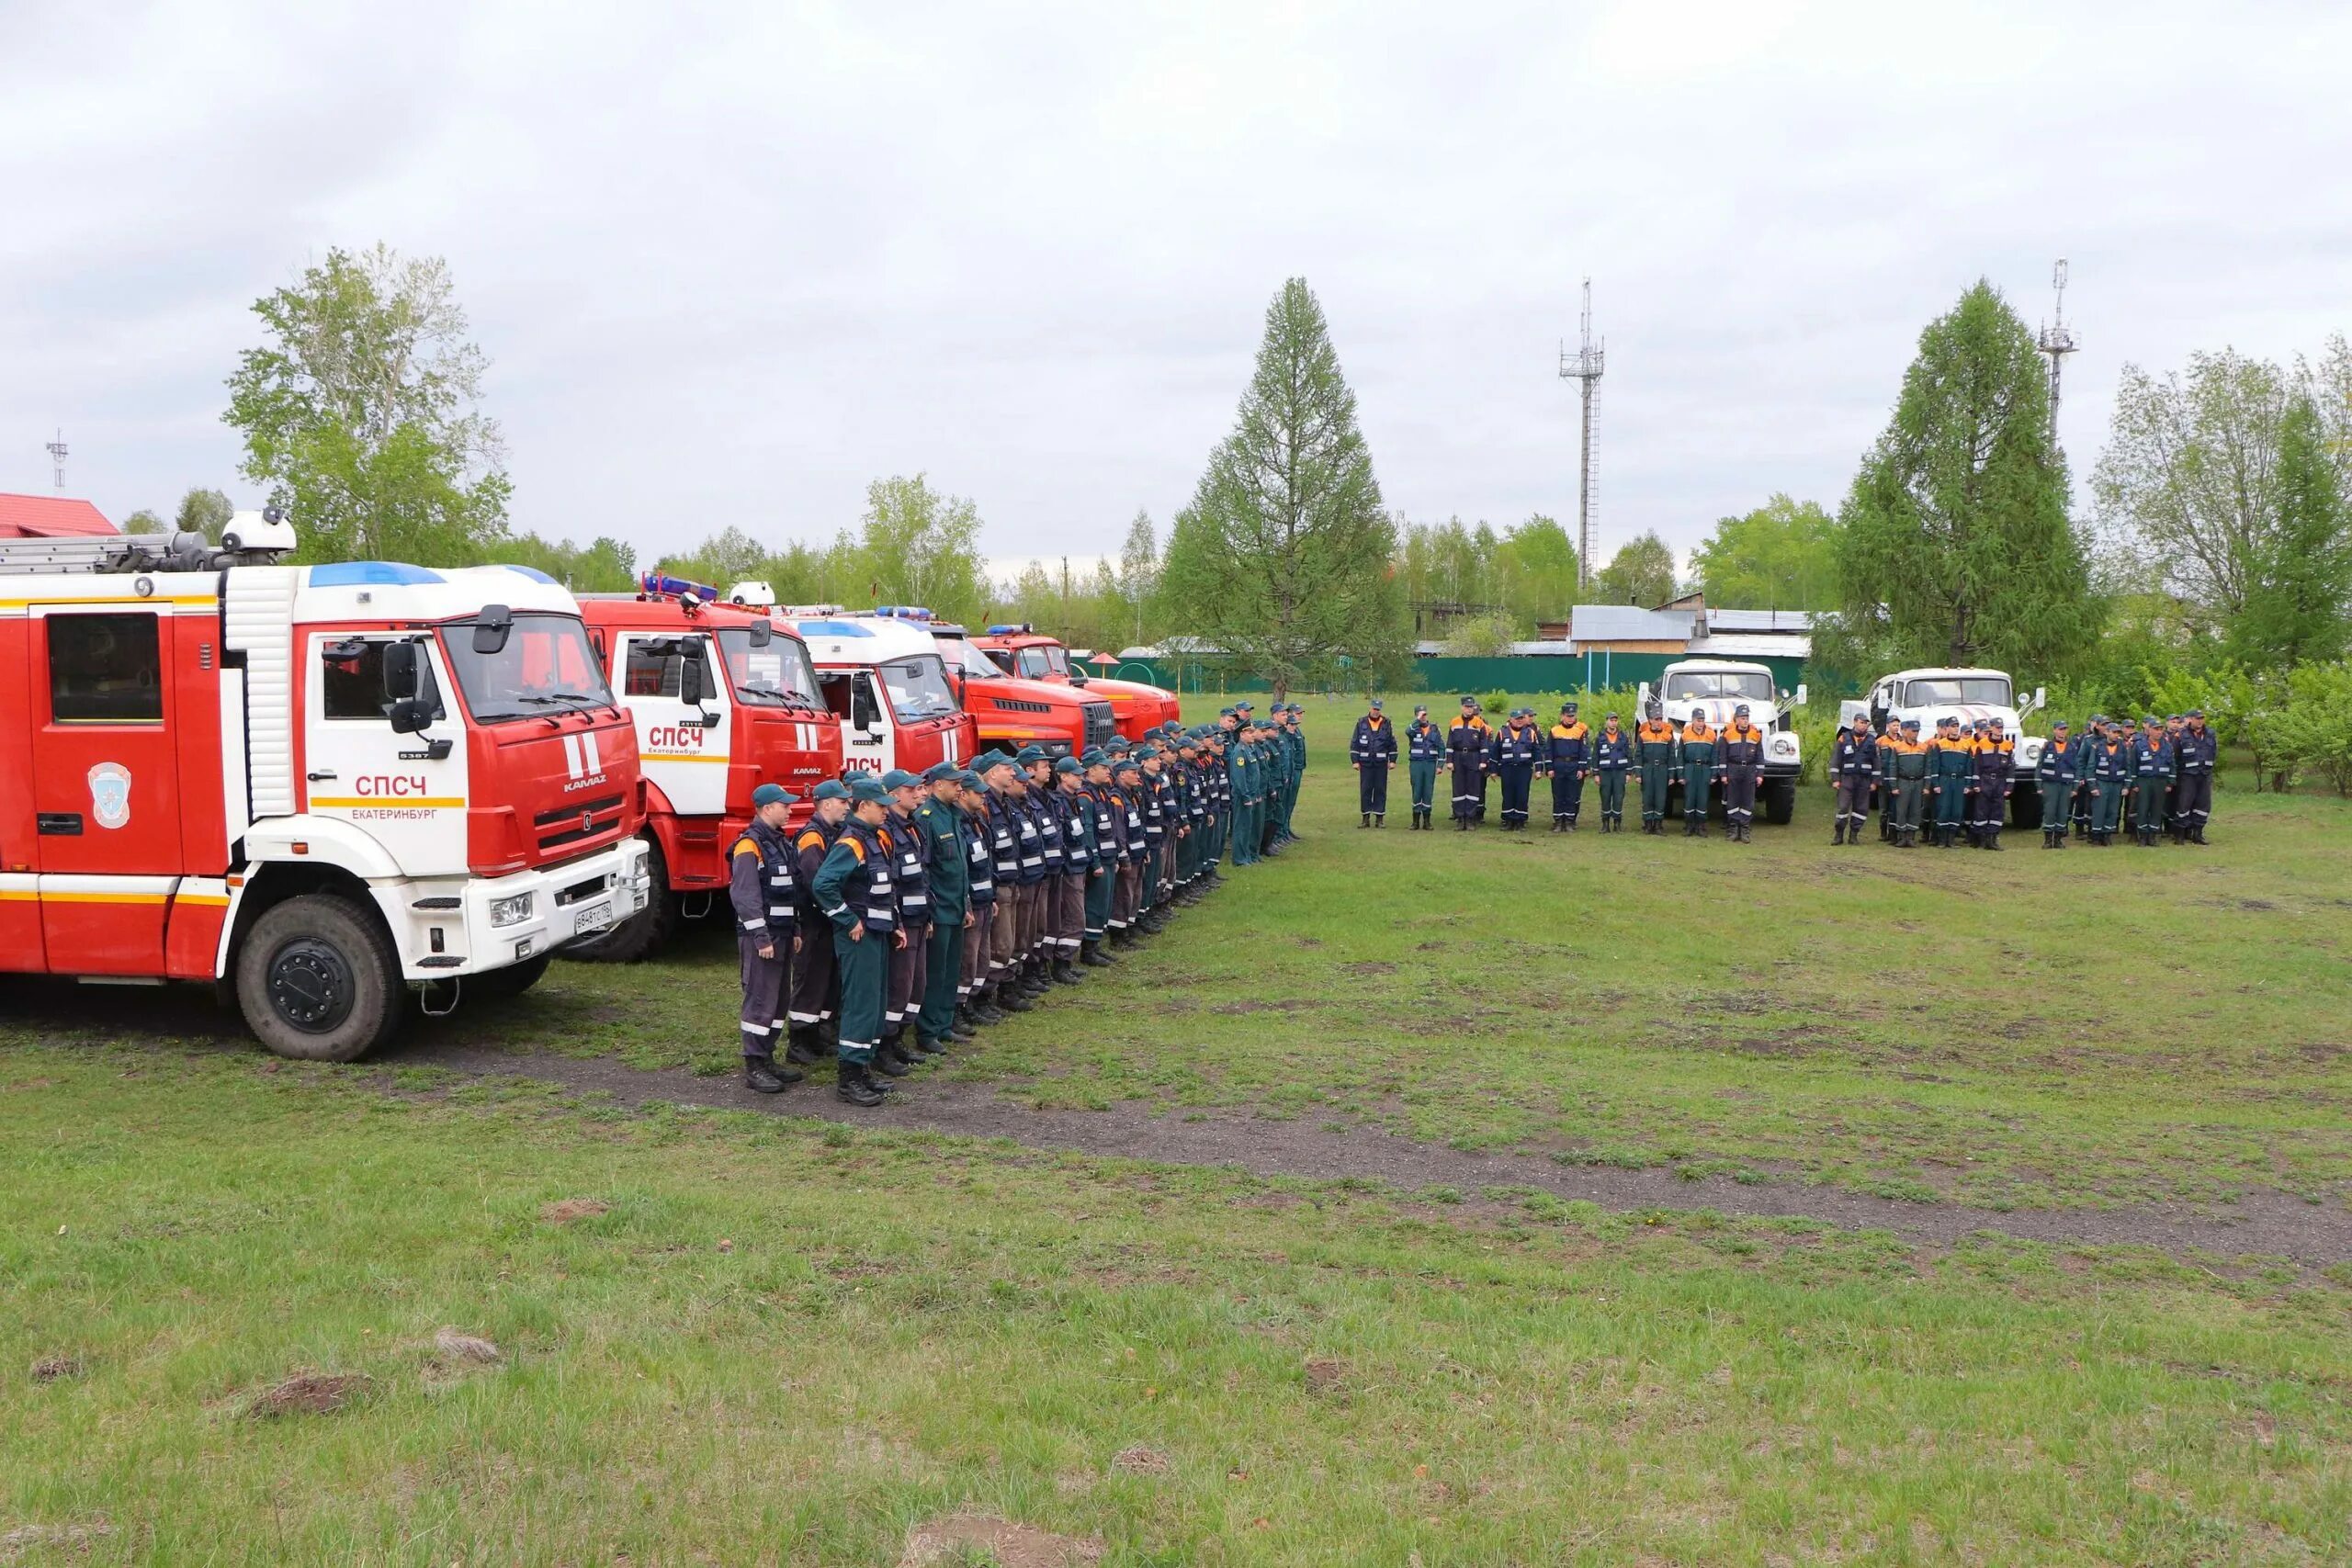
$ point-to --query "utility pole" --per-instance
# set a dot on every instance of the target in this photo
(2056, 339)
(1584, 366)
(57, 460)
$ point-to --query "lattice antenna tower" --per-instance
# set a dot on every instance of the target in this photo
(57, 461)
(1584, 366)
(2056, 339)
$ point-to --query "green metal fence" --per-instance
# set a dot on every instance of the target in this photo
(1535, 672)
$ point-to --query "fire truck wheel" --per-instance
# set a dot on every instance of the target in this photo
(1780, 801)
(510, 981)
(320, 980)
(640, 935)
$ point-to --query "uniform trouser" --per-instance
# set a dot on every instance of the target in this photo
(1469, 791)
(1567, 793)
(972, 973)
(909, 974)
(1070, 913)
(1004, 931)
(1739, 795)
(2172, 803)
(816, 982)
(942, 980)
(1657, 781)
(1888, 788)
(1034, 898)
(1290, 805)
(865, 971)
(2057, 799)
(1909, 797)
(1992, 805)
(1372, 788)
(1519, 783)
(2196, 799)
(1270, 831)
(1123, 897)
(1952, 802)
(2085, 792)
(763, 983)
(2152, 808)
(1245, 833)
(1613, 796)
(1423, 775)
(1698, 793)
(1854, 801)
(2107, 805)
(1100, 888)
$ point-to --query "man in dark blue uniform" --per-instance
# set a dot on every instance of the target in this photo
(1374, 752)
(2054, 775)
(2196, 752)
(2150, 772)
(815, 986)
(764, 893)
(1469, 745)
(1568, 759)
(1853, 769)
(1517, 750)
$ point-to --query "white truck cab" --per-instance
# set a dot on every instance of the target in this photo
(884, 678)
(1716, 686)
(1967, 694)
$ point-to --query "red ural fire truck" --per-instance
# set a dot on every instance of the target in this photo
(1024, 652)
(883, 677)
(1011, 713)
(316, 787)
(725, 700)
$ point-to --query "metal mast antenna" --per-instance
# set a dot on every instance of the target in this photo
(2056, 339)
(57, 460)
(1584, 365)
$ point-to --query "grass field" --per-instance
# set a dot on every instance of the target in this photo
(752, 1339)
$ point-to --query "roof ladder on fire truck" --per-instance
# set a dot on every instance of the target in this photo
(251, 538)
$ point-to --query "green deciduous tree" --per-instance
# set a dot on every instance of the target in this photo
(1641, 572)
(1958, 548)
(1782, 556)
(360, 414)
(2296, 594)
(1535, 564)
(1283, 559)
(1137, 579)
(917, 545)
(603, 566)
(205, 512)
(142, 522)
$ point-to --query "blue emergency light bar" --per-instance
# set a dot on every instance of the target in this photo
(1008, 631)
(903, 612)
(674, 587)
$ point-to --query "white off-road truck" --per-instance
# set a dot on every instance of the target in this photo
(1933, 695)
(1719, 685)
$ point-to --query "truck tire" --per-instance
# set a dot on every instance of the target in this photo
(1780, 801)
(2025, 805)
(318, 979)
(510, 981)
(642, 934)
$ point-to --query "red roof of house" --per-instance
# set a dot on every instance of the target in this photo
(49, 518)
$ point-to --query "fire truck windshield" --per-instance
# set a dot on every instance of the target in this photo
(965, 659)
(1042, 661)
(546, 666)
(918, 687)
(776, 674)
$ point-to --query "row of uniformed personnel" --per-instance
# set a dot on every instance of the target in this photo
(1569, 752)
(2159, 781)
(908, 912)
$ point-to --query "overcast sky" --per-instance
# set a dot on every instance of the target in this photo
(732, 262)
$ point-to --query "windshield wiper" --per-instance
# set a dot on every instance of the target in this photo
(551, 699)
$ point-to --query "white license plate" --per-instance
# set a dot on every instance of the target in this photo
(594, 917)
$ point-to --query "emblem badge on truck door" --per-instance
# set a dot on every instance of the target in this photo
(110, 795)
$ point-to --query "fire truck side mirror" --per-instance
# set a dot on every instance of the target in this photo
(409, 715)
(690, 679)
(490, 628)
(762, 633)
(401, 666)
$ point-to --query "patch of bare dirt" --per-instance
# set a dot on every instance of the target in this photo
(50, 1369)
(466, 1348)
(1283, 1004)
(310, 1394)
(564, 1211)
(1011, 1545)
(1368, 967)
(15, 1542)
(1139, 1459)
(1325, 1373)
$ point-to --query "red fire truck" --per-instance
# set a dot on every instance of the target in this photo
(1011, 713)
(317, 787)
(725, 700)
(883, 677)
(1022, 650)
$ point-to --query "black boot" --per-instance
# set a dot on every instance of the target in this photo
(1066, 973)
(1118, 941)
(1091, 953)
(1839, 836)
(1008, 1000)
(1379, 820)
(889, 1062)
(1992, 838)
(762, 1076)
(801, 1049)
(1367, 821)
(964, 1026)
(983, 1006)
(852, 1083)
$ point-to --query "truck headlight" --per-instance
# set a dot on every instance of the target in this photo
(1781, 748)
(511, 910)
(2029, 753)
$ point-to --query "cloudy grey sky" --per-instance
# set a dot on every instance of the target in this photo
(731, 262)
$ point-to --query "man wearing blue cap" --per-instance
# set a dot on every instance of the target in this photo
(1241, 767)
(2111, 769)
(1158, 829)
(1295, 739)
(2054, 773)
(948, 856)
(1105, 842)
(1517, 750)
(1373, 751)
(854, 893)
(1568, 759)
(1075, 816)
(910, 852)
(764, 891)
(1424, 750)
(2150, 772)
(1470, 745)
(1013, 841)
(816, 985)
(2196, 751)
(974, 986)
(1126, 776)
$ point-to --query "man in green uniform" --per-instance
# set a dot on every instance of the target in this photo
(1653, 754)
(1951, 768)
(854, 893)
(2055, 775)
(1699, 744)
(1296, 740)
(1906, 774)
(1424, 750)
(941, 820)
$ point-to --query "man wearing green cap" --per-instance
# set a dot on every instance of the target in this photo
(764, 891)
(949, 855)
(1079, 866)
(1243, 768)
(1295, 737)
(816, 988)
(2152, 773)
(2055, 775)
(971, 799)
(1014, 841)
(1104, 841)
(855, 894)
(1160, 831)
(1126, 776)
(1371, 752)
(910, 862)
(1424, 750)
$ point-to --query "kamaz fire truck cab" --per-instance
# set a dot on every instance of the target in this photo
(316, 787)
(883, 677)
(1022, 650)
(1010, 712)
(725, 700)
